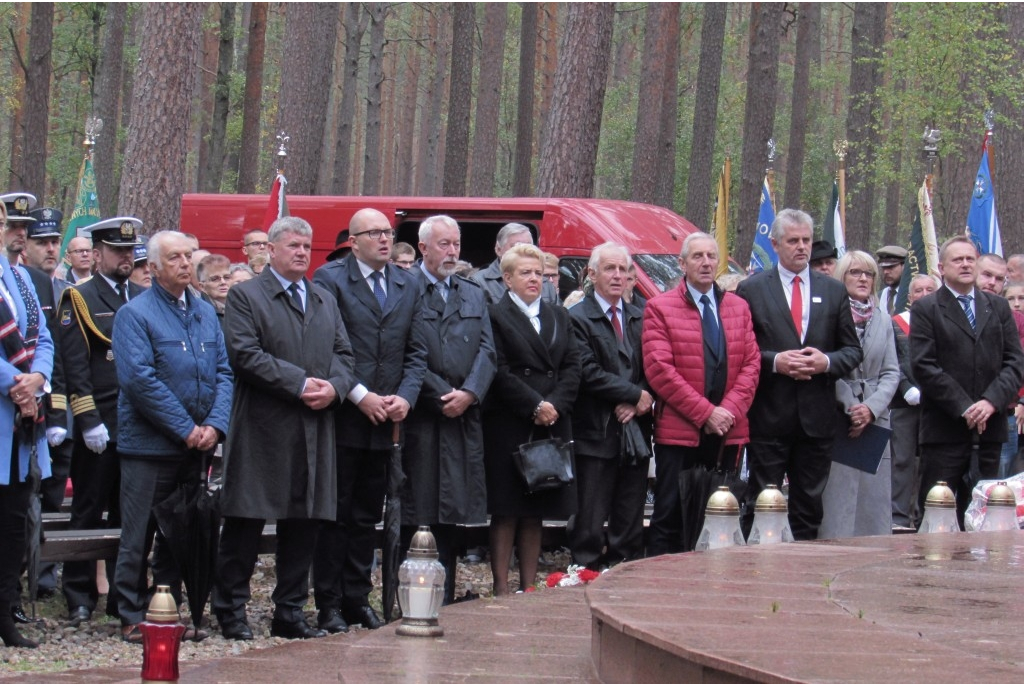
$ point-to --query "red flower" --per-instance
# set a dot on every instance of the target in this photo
(553, 578)
(586, 575)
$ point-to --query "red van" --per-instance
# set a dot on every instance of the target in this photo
(569, 228)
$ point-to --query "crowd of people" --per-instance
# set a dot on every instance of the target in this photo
(127, 366)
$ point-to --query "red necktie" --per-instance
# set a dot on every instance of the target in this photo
(615, 322)
(796, 307)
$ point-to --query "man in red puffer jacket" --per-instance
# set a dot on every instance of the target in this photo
(702, 361)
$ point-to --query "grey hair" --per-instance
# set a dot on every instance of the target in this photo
(155, 245)
(920, 277)
(239, 266)
(608, 248)
(790, 217)
(427, 226)
(509, 230)
(684, 252)
(289, 224)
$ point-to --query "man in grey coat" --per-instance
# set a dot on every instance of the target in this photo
(491, 279)
(443, 457)
(293, 362)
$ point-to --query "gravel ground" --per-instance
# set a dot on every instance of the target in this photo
(98, 644)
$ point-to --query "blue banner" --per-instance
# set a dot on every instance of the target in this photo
(763, 256)
(982, 221)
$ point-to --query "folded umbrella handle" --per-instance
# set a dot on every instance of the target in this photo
(396, 429)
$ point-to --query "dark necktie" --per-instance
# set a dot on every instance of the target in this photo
(796, 308)
(378, 289)
(297, 296)
(439, 297)
(122, 292)
(614, 314)
(891, 305)
(710, 322)
(965, 302)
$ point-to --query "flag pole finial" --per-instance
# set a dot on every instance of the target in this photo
(990, 120)
(282, 150)
(93, 126)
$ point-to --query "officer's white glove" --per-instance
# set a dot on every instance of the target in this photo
(55, 435)
(913, 397)
(97, 438)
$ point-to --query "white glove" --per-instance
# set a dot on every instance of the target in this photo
(55, 435)
(97, 438)
(913, 397)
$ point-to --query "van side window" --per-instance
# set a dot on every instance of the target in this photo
(571, 271)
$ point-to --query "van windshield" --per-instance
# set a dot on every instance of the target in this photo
(662, 269)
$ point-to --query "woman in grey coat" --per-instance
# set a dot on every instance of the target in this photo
(859, 503)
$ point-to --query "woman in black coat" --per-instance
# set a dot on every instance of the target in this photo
(530, 398)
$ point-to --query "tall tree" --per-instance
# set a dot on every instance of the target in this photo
(219, 123)
(573, 128)
(248, 156)
(1009, 142)
(521, 183)
(664, 195)
(758, 115)
(206, 67)
(647, 143)
(868, 37)
(302, 107)
(19, 69)
(430, 123)
(156, 152)
(355, 25)
(808, 52)
(37, 98)
(456, 156)
(107, 105)
(705, 115)
(374, 78)
(485, 133)
(409, 76)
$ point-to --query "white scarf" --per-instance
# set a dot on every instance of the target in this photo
(531, 310)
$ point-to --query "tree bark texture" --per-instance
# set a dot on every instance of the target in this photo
(14, 180)
(427, 181)
(204, 96)
(355, 25)
(37, 99)
(705, 116)
(374, 78)
(808, 50)
(155, 155)
(758, 117)
(664, 195)
(305, 68)
(219, 123)
(569, 152)
(521, 179)
(456, 155)
(646, 143)
(485, 129)
(107, 106)
(248, 158)
(1009, 145)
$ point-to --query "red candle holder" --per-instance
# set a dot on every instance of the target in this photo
(161, 638)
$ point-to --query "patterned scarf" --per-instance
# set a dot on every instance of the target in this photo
(862, 312)
(20, 349)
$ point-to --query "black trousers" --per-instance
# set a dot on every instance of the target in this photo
(608, 491)
(14, 499)
(807, 461)
(951, 462)
(239, 548)
(346, 547)
(97, 487)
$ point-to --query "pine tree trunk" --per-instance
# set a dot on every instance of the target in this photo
(427, 181)
(666, 186)
(37, 98)
(646, 144)
(1009, 145)
(521, 182)
(15, 180)
(205, 84)
(569, 152)
(456, 155)
(485, 134)
(155, 155)
(808, 50)
(355, 25)
(107, 105)
(219, 123)
(405, 136)
(248, 157)
(305, 68)
(705, 116)
(374, 78)
(758, 116)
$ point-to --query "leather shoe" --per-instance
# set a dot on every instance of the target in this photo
(331, 621)
(294, 630)
(364, 615)
(236, 630)
(132, 634)
(78, 616)
(19, 615)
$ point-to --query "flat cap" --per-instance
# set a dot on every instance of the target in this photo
(891, 255)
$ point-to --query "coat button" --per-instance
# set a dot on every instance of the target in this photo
(551, 374)
(465, 338)
(526, 372)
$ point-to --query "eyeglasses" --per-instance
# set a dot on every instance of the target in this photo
(257, 243)
(860, 273)
(377, 233)
(81, 252)
(217, 279)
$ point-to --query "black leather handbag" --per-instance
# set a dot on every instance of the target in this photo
(545, 464)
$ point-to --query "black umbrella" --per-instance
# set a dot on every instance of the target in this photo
(392, 525)
(695, 487)
(189, 520)
(34, 520)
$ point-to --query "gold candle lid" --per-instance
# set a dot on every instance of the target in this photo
(1001, 496)
(162, 608)
(722, 503)
(941, 496)
(423, 545)
(771, 499)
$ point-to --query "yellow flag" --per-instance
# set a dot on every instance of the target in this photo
(722, 219)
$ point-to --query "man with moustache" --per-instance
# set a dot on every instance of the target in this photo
(85, 322)
(380, 305)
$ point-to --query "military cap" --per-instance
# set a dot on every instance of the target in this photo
(18, 206)
(891, 255)
(822, 249)
(47, 223)
(141, 254)
(120, 231)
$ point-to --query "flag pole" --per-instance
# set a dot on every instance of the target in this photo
(86, 207)
(931, 139)
(840, 147)
(769, 171)
(990, 123)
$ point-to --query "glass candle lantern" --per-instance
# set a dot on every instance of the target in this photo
(721, 522)
(939, 511)
(421, 587)
(161, 638)
(1001, 509)
(771, 518)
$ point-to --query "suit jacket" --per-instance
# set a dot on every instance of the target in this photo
(612, 374)
(783, 406)
(956, 366)
(390, 354)
(90, 376)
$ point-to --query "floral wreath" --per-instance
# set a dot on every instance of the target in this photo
(574, 575)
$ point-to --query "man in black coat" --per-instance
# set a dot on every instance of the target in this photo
(443, 457)
(966, 357)
(380, 306)
(611, 485)
(805, 331)
(85, 321)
